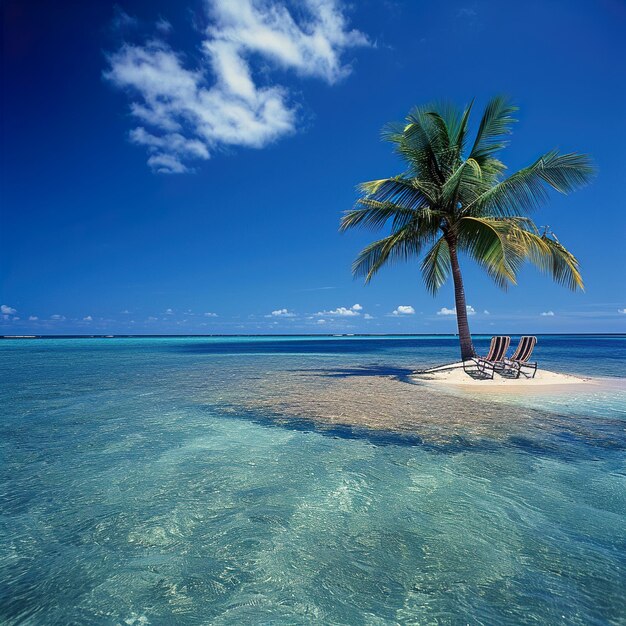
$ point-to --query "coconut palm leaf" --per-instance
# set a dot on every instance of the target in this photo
(436, 266)
(374, 214)
(525, 190)
(489, 242)
(398, 246)
(549, 256)
(494, 125)
(408, 192)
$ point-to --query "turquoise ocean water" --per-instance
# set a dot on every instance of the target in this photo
(187, 481)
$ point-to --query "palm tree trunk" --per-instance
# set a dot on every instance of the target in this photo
(465, 338)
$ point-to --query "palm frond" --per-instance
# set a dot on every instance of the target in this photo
(469, 174)
(525, 190)
(566, 172)
(373, 214)
(422, 143)
(436, 266)
(494, 125)
(460, 133)
(548, 255)
(407, 192)
(398, 246)
(488, 241)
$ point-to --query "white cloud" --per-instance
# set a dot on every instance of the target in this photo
(548, 314)
(404, 309)
(470, 311)
(367, 316)
(281, 313)
(209, 314)
(16, 318)
(342, 311)
(87, 318)
(191, 116)
(57, 317)
(151, 318)
(122, 20)
(485, 312)
(5, 309)
(321, 321)
(622, 311)
(125, 312)
(164, 26)
(32, 318)
(169, 312)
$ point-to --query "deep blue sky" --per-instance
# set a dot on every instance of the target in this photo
(89, 230)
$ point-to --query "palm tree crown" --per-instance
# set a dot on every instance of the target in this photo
(454, 197)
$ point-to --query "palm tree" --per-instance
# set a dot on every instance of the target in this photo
(454, 197)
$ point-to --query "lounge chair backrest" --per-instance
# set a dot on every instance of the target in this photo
(497, 349)
(492, 348)
(502, 345)
(524, 349)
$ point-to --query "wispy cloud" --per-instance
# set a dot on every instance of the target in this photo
(192, 111)
(466, 12)
(87, 318)
(5, 309)
(622, 311)
(404, 309)
(547, 314)
(209, 314)
(32, 318)
(163, 26)
(57, 318)
(315, 289)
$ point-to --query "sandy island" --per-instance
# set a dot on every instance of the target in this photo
(544, 380)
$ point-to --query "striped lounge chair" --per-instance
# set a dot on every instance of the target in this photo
(520, 358)
(495, 358)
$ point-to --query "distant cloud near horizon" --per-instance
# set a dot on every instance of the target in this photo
(470, 311)
(189, 117)
(5, 309)
(404, 310)
(281, 313)
(547, 314)
(622, 311)
(342, 311)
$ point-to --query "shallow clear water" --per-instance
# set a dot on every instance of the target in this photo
(189, 481)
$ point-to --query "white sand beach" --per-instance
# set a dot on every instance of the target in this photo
(544, 380)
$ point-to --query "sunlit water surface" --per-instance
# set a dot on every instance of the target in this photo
(305, 481)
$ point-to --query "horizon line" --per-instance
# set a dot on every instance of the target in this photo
(337, 335)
